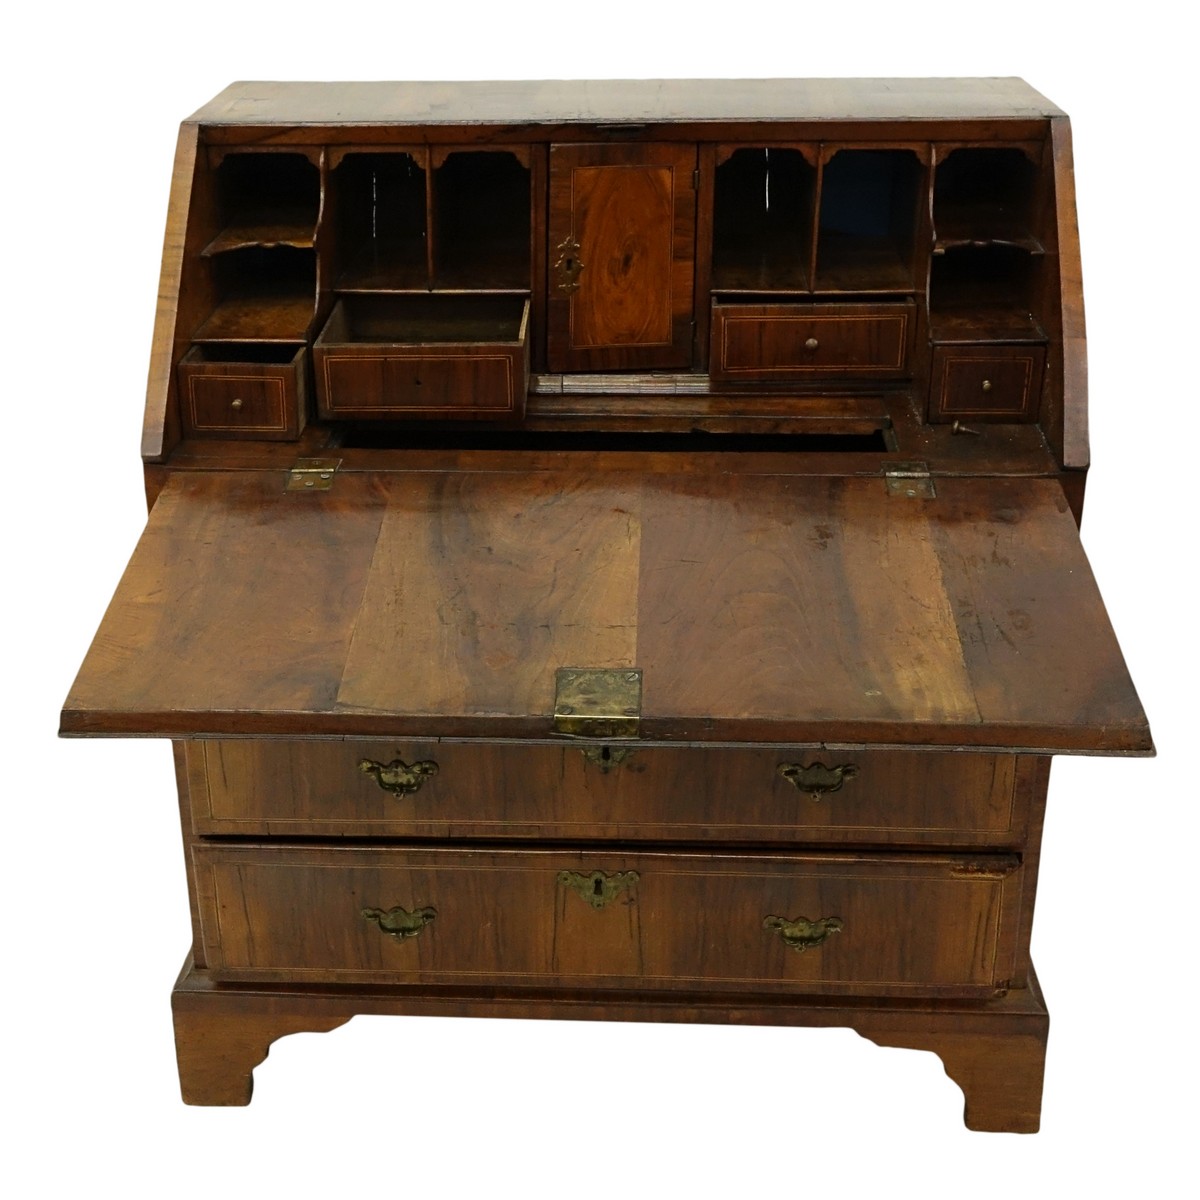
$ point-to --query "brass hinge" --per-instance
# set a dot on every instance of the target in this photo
(909, 479)
(598, 702)
(312, 474)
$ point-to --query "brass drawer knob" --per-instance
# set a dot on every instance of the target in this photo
(398, 922)
(598, 889)
(237, 403)
(817, 779)
(803, 934)
(811, 344)
(397, 776)
(986, 385)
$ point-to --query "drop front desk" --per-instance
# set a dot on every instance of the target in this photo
(613, 554)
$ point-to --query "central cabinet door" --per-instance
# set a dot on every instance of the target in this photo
(622, 257)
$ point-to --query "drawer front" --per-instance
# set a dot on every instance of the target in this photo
(997, 383)
(387, 789)
(464, 383)
(237, 404)
(251, 400)
(903, 925)
(797, 341)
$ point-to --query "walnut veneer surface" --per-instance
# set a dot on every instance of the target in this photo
(457, 386)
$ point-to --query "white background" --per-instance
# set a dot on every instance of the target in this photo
(94, 904)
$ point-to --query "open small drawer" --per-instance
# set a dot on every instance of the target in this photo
(246, 390)
(443, 356)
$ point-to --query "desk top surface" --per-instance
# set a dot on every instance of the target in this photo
(558, 102)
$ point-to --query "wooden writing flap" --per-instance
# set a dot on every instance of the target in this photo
(776, 608)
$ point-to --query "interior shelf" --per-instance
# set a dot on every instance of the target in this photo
(984, 324)
(985, 196)
(265, 200)
(990, 280)
(261, 318)
(266, 227)
(263, 294)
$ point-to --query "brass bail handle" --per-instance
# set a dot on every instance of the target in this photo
(397, 776)
(399, 922)
(803, 934)
(816, 779)
(568, 264)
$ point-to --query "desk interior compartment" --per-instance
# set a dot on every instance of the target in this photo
(444, 356)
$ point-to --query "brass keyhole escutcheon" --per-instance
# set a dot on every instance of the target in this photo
(606, 758)
(568, 265)
(598, 888)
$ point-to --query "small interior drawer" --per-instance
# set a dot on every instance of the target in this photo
(810, 341)
(244, 391)
(781, 924)
(442, 356)
(445, 790)
(986, 382)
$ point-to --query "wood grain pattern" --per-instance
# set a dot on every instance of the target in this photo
(632, 212)
(502, 102)
(761, 608)
(248, 787)
(913, 925)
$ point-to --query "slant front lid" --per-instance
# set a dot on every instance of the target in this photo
(759, 608)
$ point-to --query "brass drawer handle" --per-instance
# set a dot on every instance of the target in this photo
(803, 934)
(811, 343)
(987, 385)
(397, 776)
(398, 922)
(817, 779)
(598, 889)
(237, 403)
(568, 265)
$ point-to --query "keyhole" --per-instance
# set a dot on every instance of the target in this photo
(605, 754)
(597, 887)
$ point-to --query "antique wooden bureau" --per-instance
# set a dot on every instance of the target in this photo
(613, 554)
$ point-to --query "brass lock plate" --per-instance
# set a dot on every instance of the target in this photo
(604, 702)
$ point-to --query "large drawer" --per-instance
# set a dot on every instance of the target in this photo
(441, 790)
(810, 341)
(905, 925)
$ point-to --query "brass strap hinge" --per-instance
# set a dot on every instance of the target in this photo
(312, 474)
(598, 702)
(909, 479)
